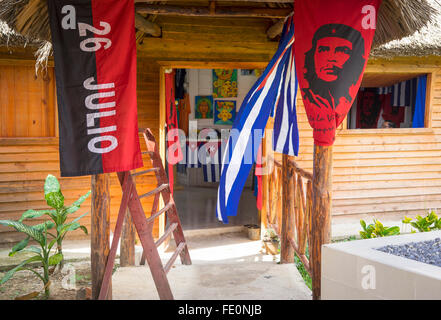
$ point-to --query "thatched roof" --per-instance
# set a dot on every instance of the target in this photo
(425, 42)
(396, 19)
(12, 39)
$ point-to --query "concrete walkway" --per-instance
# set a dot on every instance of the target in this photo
(225, 266)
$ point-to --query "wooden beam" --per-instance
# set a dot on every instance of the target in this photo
(321, 212)
(128, 236)
(207, 12)
(212, 5)
(100, 231)
(147, 26)
(275, 29)
(288, 180)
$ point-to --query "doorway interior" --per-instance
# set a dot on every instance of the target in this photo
(208, 97)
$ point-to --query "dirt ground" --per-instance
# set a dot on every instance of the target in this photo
(64, 285)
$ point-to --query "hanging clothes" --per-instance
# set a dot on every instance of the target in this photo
(174, 153)
(391, 113)
(179, 83)
(368, 109)
(181, 166)
(404, 93)
(184, 109)
(420, 103)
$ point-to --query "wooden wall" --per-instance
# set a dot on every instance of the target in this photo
(26, 103)
(29, 146)
(25, 162)
(384, 173)
(375, 172)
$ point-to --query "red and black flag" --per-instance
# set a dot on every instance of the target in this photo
(95, 69)
(333, 42)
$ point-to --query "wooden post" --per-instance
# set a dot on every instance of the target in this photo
(286, 250)
(321, 212)
(127, 249)
(100, 231)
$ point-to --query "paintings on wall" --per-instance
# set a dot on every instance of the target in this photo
(224, 83)
(224, 112)
(204, 107)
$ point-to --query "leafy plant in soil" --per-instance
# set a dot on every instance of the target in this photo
(55, 199)
(377, 229)
(425, 224)
(40, 233)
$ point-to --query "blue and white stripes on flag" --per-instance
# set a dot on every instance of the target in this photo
(277, 86)
(193, 155)
(212, 166)
(403, 93)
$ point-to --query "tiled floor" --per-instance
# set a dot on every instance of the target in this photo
(197, 208)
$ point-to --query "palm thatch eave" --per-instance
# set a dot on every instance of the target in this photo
(397, 19)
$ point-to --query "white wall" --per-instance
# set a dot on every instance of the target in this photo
(200, 83)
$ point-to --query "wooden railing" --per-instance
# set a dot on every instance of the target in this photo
(302, 211)
(297, 207)
(274, 196)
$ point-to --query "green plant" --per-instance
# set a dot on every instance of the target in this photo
(302, 270)
(55, 199)
(425, 224)
(377, 229)
(39, 233)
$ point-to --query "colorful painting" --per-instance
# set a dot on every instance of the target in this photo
(224, 112)
(204, 107)
(224, 83)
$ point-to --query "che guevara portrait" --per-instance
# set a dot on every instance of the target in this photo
(333, 64)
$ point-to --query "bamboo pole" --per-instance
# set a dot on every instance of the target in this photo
(100, 231)
(127, 251)
(321, 212)
(286, 250)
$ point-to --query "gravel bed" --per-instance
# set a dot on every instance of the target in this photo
(424, 251)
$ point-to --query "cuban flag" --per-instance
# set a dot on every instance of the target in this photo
(277, 86)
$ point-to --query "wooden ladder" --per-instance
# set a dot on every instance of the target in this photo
(144, 226)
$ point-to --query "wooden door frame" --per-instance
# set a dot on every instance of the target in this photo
(190, 65)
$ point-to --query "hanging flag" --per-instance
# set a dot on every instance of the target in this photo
(174, 152)
(333, 42)
(211, 165)
(286, 134)
(275, 87)
(95, 68)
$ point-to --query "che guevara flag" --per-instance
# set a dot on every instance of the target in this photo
(95, 69)
(333, 42)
